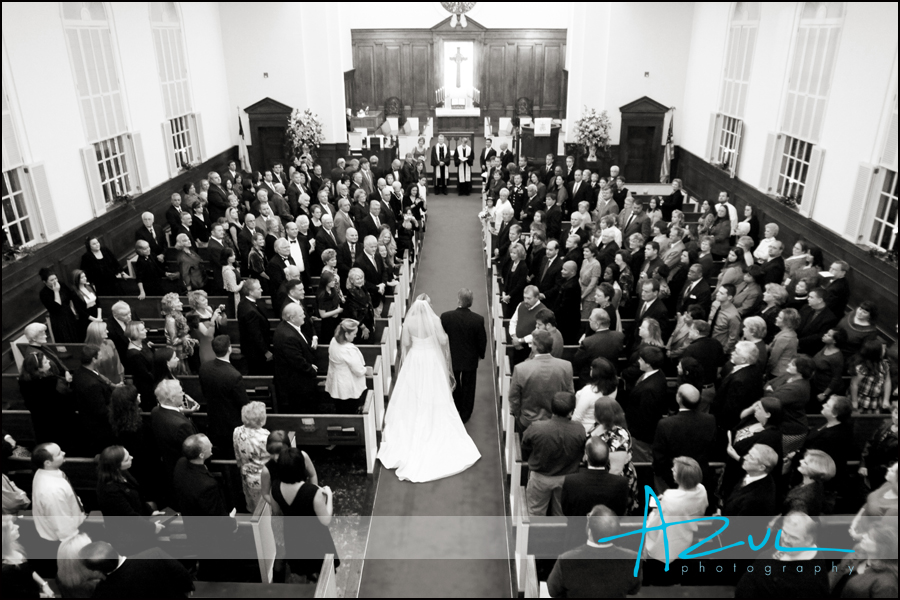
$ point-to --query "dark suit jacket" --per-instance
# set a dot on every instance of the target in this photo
(325, 241)
(117, 335)
(139, 364)
(253, 325)
(275, 270)
(245, 243)
(173, 218)
(467, 337)
(646, 406)
(553, 218)
(367, 227)
(587, 488)
(514, 282)
(657, 311)
(218, 202)
(589, 572)
(375, 274)
(671, 203)
(148, 574)
(686, 433)
(182, 229)
(759, 499)
(215, 250)
(199, 496)
(739, 390)
(568, 310)
(709, 353)
(92, 396)
(345, 259)
(548, 280)
(773, 271)
(837, 294)
(223, 389)
(295, 377)
(701, 294)
(607, 254)
(157, 245)
(607, 343)
(170, 428)
(487, 154)
(640, 225)
(812, 327)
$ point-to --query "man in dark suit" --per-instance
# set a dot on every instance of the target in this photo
(185, 227)
(487, 155)
(116, 324)
(337, 173)
(207, 519)
(468, 340)
(294, 191)
(709, 353)
(295, 364)
(773, 269)
(636, 222)
(740, 389)
(651, 307)
(215, 252)
(568, 304)
(596, 570)
(696, 291)
(815, 320)
(535, 381)
(253, 325)
(347, 253)
(837, 291)
(501, 247)
(647, 401)
(547, 171)
(672, 202)
(553, 218)
(173, 214)
(371, 224)
(278, 175)
(223, 389)
(606, 251)
(325, 238)
(548, 277)
(587, 488)
(602, 343)
(579, 191)
(230, 173)
(688, 432)
(755, 495)
(170, 427)
(373, 267)
(217, 197)
(148, 574)
(245, 237)
(92, 393)
(533, 203)
(569, 170)
(138, 364)
(278, 263)
(153, 235)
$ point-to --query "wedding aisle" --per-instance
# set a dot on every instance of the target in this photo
(425, 537)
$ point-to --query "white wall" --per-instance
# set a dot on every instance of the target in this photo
(45, 100)
(493, 15)
(860, 89)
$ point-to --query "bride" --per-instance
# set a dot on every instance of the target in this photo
(424, 438)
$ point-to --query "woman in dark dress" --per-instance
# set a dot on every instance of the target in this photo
(808, 496)
(132, 432)
(84, 301)
(358, 305)
(297, 497)
(125, 514)
(57, 299)
(101, 267)
(759, 424)
(51, 415)
(328, 300)
(515, 278)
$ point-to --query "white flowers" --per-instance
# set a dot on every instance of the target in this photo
(305, 128)
(592, 129)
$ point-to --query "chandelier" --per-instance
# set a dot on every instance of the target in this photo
(458, 11)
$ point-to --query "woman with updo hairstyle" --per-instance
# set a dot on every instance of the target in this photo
(250, 441)
(612, 428)
(808, 496)
(296, 496)
(345, 380)
(603, 384)
(783, 348)
(109, 366)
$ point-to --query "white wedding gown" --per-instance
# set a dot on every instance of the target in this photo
(424, 437)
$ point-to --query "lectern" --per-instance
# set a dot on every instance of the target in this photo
(536, 148)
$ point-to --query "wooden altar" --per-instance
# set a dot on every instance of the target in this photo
(536, 148)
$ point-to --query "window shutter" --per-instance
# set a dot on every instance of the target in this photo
(138, 166)
(11, 156)
(858, 202)
(197, 133)
(737, 147)
(715, 123)
(765, 180)
(169, 147)
(888, 155)
(816, 159)
(40, 194)
(92, 178)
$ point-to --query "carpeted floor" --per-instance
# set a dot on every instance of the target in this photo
(452, 258)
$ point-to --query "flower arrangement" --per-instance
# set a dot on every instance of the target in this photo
(789, 201)
(304, 128)
(887, 256)
(592, 131)
(13, 252)
(124, 200)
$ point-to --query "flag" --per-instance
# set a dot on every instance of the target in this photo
(243, 155)
(665, 169)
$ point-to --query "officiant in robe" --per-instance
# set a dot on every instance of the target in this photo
(464, 159)
(440, 161)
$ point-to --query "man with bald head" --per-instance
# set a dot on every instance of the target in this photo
(379, 188)
(342, 219)
(217, 196)
(568, 304)
(347, 252)
(325, 238)
(688, 432)
(591, 486)
(153, 235)
(396, 199)
(373, 267)
(245, 237)
(300, 250)
(294, 363)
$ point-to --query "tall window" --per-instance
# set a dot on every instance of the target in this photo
(17, 222)
(181, 129)
(884, 226)
(727, 124)
(793, 159)
(114, 175)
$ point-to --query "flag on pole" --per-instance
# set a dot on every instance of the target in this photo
(242, 148)
(669, 153)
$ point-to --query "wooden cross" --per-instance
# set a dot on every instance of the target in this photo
(458, 60)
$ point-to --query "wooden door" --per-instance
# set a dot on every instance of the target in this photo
(271, 141)
(641, 153)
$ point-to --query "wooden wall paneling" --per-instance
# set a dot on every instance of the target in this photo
(364, 69)
(350, 90)
(495, 83)
(551, 81)
(509, 74)
(422, 90)
(392, 81)
(524, 72)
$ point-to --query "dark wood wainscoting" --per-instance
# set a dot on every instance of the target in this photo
(115, 229)
(870, 278)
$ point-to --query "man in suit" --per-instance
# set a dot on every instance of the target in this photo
(215, 251)
(553, 448)
(278, 174)
(230, 173)
(487, 155)
(170, 427)
(466, 334)
(371, 224)
(223, 389)
(755, 495)
(148, 574)
(815, 320)
(605, 204)
(508, 221)
(373, 267)
(294, 191)
(569, 171)
(276, 266)
(295, 363)
(606, 251)
(347, 253)
(553, 217)
(325, 238)
(173, 214)
(688, 432)
(368, 177)
(579, 191)
(505, 155)
(153, 235)
(646, 403)
(547, 171)
(636, 222)
(116, 324)
(696, 291)
(355, 184)
(672, 202)
(337, 173)
(535, 381)
(217, 197)
(568, 304)
(652, 263)
(596, 570)
(709, 353)
(92, 393)
(740, 389)
(837, 291)
(253, 325)
(602, 343)
(342, 221)
(245, 237)
(585, 489)
(548, 276)
(185, 227)
(138, 362)
(651, 307)
(724, 319)
(773, 268)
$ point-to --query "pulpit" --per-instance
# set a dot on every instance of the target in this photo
(370, 120)
(535, 148)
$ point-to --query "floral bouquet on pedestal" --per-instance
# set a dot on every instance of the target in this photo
(304, 132)
(592, 132)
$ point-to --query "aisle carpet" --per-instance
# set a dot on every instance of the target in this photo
(452, 258)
